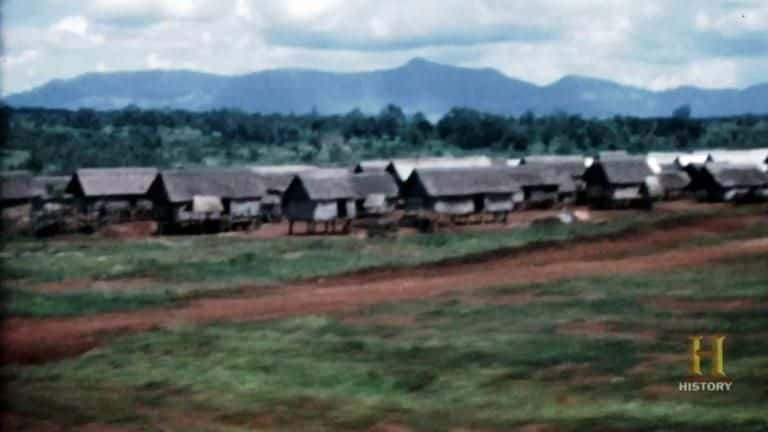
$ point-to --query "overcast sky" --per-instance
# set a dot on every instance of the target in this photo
(649, 43)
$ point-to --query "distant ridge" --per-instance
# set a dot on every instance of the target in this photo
(418, 85)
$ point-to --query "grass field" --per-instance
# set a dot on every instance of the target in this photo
(584, 353)
(184, 267)
(432, 365)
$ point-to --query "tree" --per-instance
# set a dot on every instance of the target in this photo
(391, 121)
(683, 112)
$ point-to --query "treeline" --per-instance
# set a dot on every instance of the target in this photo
(58, 141)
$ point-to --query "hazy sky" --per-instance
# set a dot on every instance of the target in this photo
(650, 43)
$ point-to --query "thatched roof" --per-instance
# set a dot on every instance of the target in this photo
(277, 178)
(612, 154)
(463, 181)
(694, 158)
(53, 185)
(755, 157)
(100, 182)
(371, 165)
(281, 169)
(19, 186)
(534, 175)
(573, 166)
(673, 179)
(547, 159)
(184, 185)
(662, 161)
(732, 175)
(374, 183)
(626, 170)
(403, 168)
(322, 186)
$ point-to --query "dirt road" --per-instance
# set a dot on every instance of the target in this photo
(37, 340)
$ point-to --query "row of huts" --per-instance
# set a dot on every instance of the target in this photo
(218, 198)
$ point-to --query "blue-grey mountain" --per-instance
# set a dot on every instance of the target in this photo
(418, 85)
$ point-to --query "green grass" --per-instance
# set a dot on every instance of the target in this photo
(452, 364)
(34, 304)
(184, 267)
(183, 259)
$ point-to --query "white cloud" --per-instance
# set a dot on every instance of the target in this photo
(22, 58)
(77, 26)
(154, 61)
(243, 10)
(652, 43)
(143, 12)
(72, 24)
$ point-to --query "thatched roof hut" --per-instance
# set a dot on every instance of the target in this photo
(729, 182)
(673, 183)
(754, 157)
(627, 170)
(101, 183)
(375, 191)
(320, 196)
(401, 169)
(181, 186)
(459, 191)
(54, 186)
(17, 187)
(276, 178)
(618, 181)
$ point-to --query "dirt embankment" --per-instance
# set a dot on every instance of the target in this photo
(37, 340)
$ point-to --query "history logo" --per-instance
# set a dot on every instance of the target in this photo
(716, 379)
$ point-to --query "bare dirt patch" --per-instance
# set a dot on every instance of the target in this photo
(12, 422)
(41, 339)
(389, 427)
(128, 230)
(127, 284)
(660, 391)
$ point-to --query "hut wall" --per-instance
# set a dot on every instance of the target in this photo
(626, 193)
(453, 206)
(351, 208)
(186, 213)
(244, 208)
(311, 210)
(414, 203)
(495, 203)
(376, 204)
(541, 195)
(736, 194)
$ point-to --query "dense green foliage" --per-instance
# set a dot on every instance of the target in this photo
(58, 141)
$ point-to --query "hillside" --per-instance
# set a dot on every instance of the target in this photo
(419, 85)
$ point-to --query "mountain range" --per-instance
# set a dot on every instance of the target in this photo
(419, 85)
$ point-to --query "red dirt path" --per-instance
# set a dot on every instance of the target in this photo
(37, 340)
